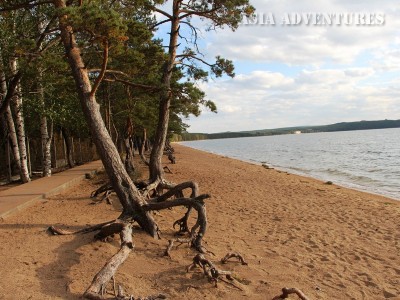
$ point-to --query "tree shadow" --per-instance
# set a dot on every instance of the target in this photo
(57, 274)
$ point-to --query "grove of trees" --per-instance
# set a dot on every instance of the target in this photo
(93, 68)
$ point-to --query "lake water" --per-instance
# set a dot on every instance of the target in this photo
(367, 160)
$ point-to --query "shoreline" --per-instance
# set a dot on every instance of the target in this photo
(294, 231)
(313, 233)
(299, 173)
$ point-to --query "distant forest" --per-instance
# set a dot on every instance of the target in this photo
(344, 126)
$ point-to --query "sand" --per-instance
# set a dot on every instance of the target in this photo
(328, 241)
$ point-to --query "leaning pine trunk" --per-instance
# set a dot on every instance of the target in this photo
(129, 196)
(156, 169)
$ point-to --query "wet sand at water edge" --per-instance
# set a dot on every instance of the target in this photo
(328, 241)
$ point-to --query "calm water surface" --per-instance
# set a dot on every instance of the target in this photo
(367, 160)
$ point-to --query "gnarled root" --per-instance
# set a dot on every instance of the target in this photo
(96, 289)
(57, 231)
(167, 170)
(211, 271)
(107, 187)
(172, 242)
(177, 191)
(183, 223)
(199, 229)
(106, 196)
(94, 292)
(234, 255)
(287, 291)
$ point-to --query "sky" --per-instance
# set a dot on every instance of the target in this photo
(294, 67)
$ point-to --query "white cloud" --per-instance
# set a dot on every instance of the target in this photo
(317, 74)
(305, 45)
(312, 97)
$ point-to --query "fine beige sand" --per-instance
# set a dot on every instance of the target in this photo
(328, 241)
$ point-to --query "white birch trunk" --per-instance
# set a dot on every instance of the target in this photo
(20, 128)
(9, 120)
(44, 133)
(44, 130)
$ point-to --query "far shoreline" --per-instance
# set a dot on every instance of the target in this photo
(295, 173)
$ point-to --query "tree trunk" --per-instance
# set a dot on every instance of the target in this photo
(128, 134)
(13, 139)
(6, 148)
(156, 169)
(19, 121)
(44, 133)
(8, 155)
(128, 195)
(68, 145)
(54, 156)
(46, 137)
(9, 120)
(46, 146)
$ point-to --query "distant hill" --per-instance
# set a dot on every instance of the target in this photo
(344, 126)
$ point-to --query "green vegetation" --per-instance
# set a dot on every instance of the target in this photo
(344, 126)
(131, 71)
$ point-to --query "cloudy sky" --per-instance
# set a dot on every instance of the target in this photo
(288, 75)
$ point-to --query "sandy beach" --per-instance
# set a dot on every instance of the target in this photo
(330, 242)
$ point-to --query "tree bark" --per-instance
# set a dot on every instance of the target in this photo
(156, 169)
(9, 120)
(6, 148)
(128, 135)
(68, 144)
(44, 133)
(129, 196)
(19, 121)
(13, 138)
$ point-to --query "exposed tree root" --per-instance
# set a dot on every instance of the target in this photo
(211, 271)
(172, 242)
(96, 289)
(199, 229)
(106, 197)
(171, 158)
(107, 187)
(287, 291)
(94, 292)
(123, 226)
(183, 223)
(56, 231)
(167, 170)
(234, 255)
